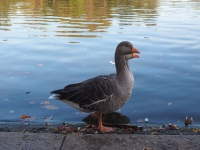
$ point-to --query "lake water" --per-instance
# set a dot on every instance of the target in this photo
(46, 45)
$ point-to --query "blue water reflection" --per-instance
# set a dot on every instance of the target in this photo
(49, 45)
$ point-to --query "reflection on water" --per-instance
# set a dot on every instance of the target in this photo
(110, 118)
(77, 18)
(46, 45)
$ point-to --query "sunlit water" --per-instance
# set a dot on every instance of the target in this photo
(46, 45)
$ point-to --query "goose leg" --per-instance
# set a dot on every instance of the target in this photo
(101, 127)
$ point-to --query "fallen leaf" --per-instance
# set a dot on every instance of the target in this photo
(173, 127)
(155, 133)
(64, 132)
(56, 129)
(147, 148)
(25, 116)
(69, 128)
(83, 129)
(195, 130)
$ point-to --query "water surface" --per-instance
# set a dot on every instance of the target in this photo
(46, 45)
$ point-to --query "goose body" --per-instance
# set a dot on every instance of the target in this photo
(104, 93)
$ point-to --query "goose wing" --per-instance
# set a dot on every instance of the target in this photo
(89, 92)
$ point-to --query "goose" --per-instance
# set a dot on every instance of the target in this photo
(104, 93)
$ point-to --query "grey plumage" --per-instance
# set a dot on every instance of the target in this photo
(105, 93)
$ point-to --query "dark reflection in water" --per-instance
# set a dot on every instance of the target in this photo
(48, 44)
(110, 118)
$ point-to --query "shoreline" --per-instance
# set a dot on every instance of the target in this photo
(62, 136)
(84, 128)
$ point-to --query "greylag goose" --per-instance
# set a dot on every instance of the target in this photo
(104, 93)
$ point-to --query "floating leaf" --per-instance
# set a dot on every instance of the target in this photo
(25, 116)
(45, 102)
(32, 102)
(51, 107)
(41, 65)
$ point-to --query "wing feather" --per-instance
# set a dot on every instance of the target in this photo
(89, 92)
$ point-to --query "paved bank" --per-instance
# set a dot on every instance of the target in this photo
(52, 141)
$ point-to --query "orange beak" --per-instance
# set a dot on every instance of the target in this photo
(134, 51)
